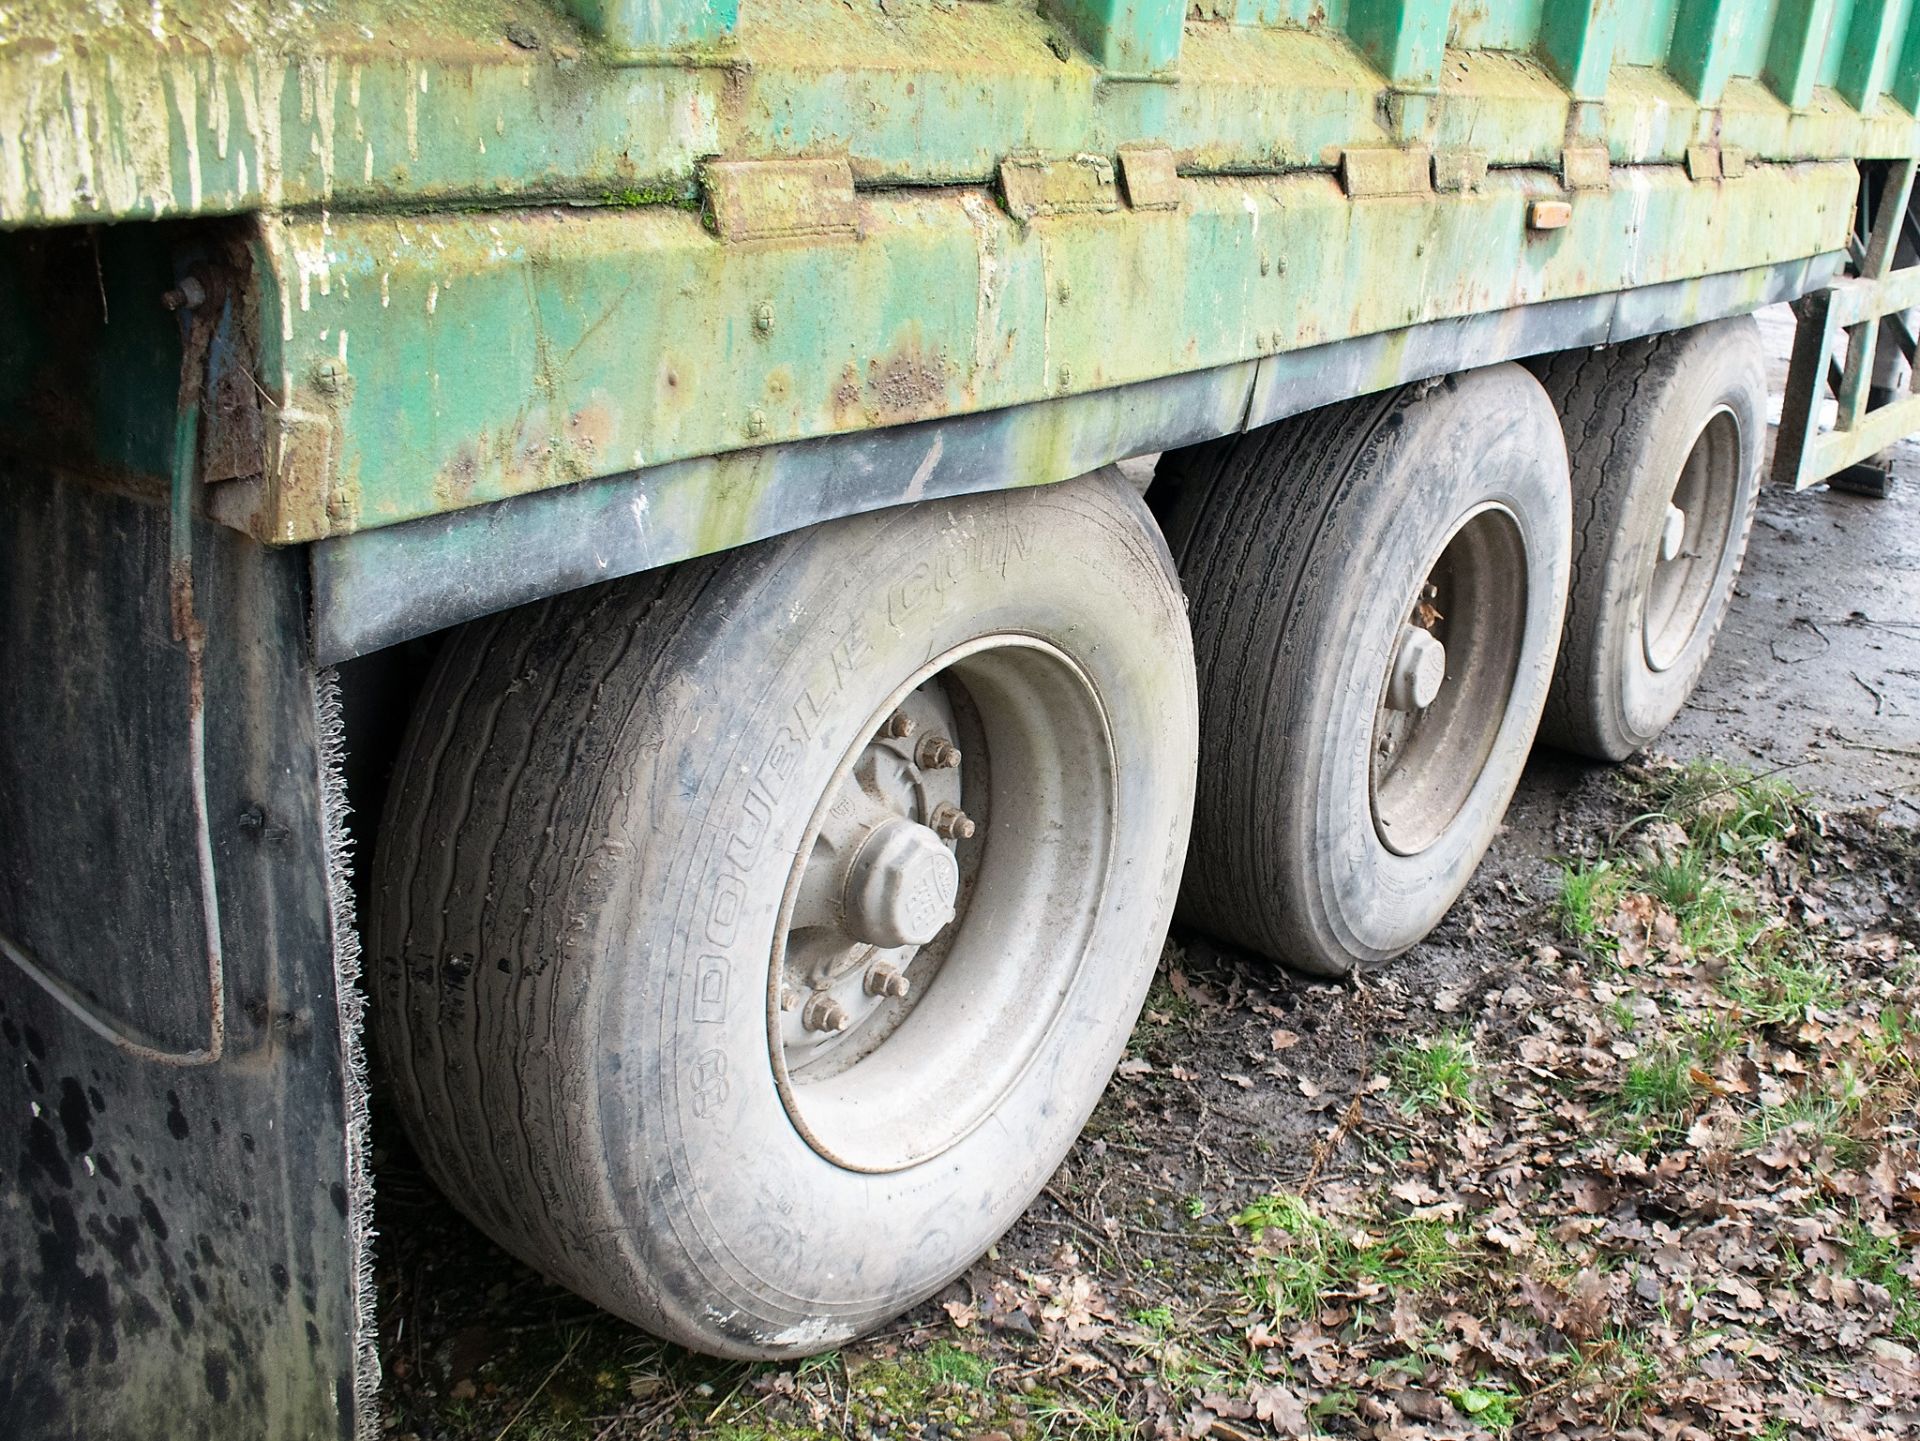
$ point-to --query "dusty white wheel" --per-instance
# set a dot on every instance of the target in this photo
(1376, 591)
(1664, 439)
(751, 941)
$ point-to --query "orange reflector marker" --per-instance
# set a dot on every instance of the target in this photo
(1548, 214)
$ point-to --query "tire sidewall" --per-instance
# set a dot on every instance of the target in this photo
(1636, 702)
(750, 1241)
(1444, 461)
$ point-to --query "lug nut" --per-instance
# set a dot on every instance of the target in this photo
(951, 823)
(824, 1013)
(886, 980)
(936, 753)
(898, 727)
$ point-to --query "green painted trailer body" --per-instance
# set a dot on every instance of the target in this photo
(493, 249)
(326, 327)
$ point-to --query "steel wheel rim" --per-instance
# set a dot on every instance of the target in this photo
(1426, 759)
(907, 1077)
(1681, 586)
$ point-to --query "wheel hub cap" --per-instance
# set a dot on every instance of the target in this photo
(901, 888)
(1690, 546)
(1419, 670)
(1673, 532)
(942, 903)
(1449, 679)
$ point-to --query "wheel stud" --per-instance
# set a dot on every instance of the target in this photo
(898, 727)
(951, 823)
(824, 1013)
(886, 980)
(1419, 670)
(1672, 532)
(936, 753)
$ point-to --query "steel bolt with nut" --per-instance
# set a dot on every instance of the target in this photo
(824, 1013)
(936, 753)
(951, 823)
(888, 981)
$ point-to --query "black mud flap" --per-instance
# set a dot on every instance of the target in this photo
(182, 1183)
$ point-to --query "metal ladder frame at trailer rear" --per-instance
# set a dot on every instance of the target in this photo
(1854, 305)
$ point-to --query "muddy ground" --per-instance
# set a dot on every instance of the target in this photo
(1625, 1148)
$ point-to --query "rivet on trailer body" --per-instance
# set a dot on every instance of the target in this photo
(1548, 214)
(763, 317)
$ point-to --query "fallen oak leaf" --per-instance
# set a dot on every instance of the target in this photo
(1281, 1408)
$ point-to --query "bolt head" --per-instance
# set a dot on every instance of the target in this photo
(898, 727)
(936, 753)
(901, 887)
(824, 1013)
(952, 823)
(887, 981)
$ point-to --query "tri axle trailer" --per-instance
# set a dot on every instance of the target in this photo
(564, 565)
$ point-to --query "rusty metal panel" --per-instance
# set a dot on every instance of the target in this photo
(377, 587)
(500, 102)
(470, 358)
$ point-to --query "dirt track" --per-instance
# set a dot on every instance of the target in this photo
(1123, 1300)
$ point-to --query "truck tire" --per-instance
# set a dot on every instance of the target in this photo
(1376, 592)
(1664, 438)
(753, 938)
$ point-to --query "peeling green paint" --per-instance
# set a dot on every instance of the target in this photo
(354, 105)
(479, 275)
(493, 355)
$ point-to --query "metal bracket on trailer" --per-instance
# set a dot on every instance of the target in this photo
(1866, 306)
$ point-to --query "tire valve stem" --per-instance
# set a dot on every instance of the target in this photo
(886, 980)
(951, 823)
(936, 753)
(898, 727)
(824, 1013)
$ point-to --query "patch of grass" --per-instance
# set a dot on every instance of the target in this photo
(949, 1363)
(1435, 1073)
(1876, 1258)
(1821, 1121)
(1776, 984)
(1314, 1256)
(1057, 1416)
(1715, 1035)
(1589, 894)
(1618, 1376)
(1893, 1044)
(1660, 1084)
(1679, 882)
(1725, 809)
